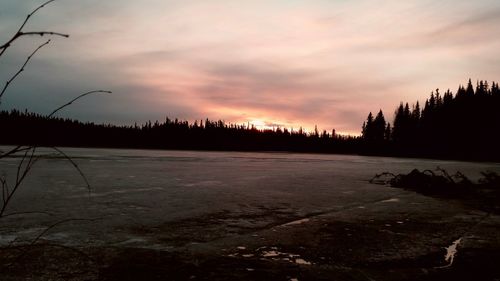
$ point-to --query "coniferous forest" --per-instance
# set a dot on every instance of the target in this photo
(35, 129)
(462, 125)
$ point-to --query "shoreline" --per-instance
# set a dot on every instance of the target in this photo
(275, 151)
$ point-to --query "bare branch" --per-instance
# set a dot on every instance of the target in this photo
(20, 176)
(5, 189)
(15, 150)
(28, 213)
(75, 99)
(20, 166)
(74, 165)
(43, 33)
(29, 155)
(73, 249)
(20, 32)
(32, 13)
(377, 178)
(55, 225)
(37, 238)
(21, 69)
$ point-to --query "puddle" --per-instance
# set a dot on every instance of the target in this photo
(275, 254)
(451, 251)
(271, 253)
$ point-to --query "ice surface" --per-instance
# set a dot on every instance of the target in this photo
(140, 193)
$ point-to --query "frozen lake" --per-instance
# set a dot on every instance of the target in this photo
(241, 216)
(147, 189)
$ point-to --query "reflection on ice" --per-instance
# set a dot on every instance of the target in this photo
(301, 221)
(121, 191)
(392, 200)
(203, 184)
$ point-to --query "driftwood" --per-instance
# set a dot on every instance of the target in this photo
(484, 194)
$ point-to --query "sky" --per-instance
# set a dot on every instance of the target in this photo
(287, 63)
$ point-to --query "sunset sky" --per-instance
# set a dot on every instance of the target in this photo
(272, 62)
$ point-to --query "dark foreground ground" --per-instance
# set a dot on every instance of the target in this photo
(390, 239)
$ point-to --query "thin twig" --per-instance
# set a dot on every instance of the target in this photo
(5, 189)
(20, 166)
(445, 174)
(430, 172)
(74, 165)
(32, 13)
(28, 213)
(75, 99)
(76, 250)
(24, 248)
(21, 70)
(20, 176)
(384, 174)
(55, 225)
(23, 169)
(37, 238)
(15, 150)
(20, 32)
(43, 33)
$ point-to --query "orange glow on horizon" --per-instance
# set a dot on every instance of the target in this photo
(264, 120)
(260, 124)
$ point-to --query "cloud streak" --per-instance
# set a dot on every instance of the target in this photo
(295, 63)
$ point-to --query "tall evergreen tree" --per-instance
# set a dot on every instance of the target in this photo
(397, 130)
(469, 92)
(379, 127)
(388, 132)
(368, 128)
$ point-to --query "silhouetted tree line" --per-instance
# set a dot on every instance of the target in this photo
(464, 125)
(27, 128)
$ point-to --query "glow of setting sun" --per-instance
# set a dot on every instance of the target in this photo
(260, 124)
